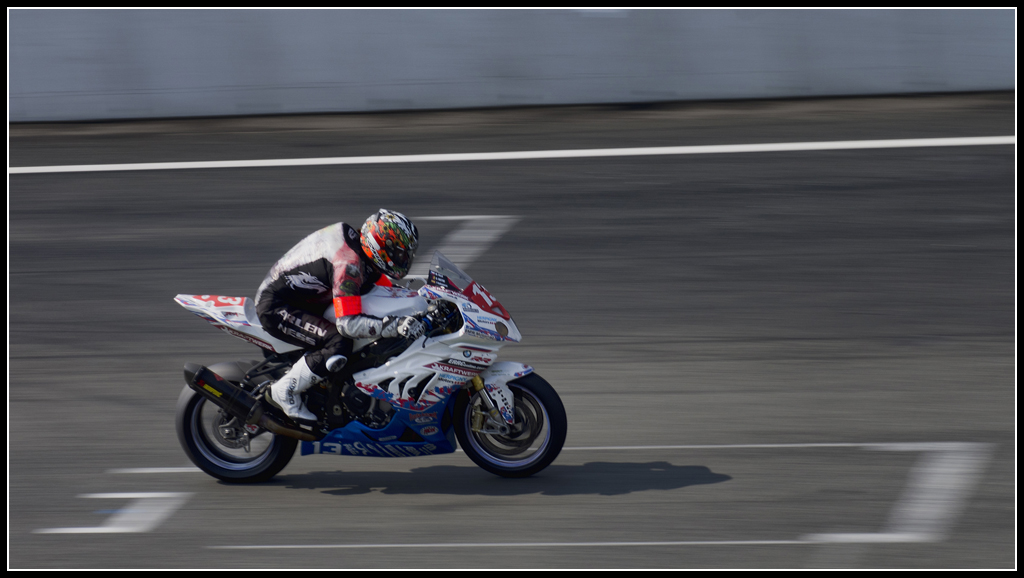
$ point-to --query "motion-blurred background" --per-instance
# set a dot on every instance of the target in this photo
(119, 64)
(769, 360)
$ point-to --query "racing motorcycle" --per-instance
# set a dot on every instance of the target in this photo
(395, 397)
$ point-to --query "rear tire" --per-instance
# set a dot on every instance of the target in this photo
(209, 437)
(540, 423)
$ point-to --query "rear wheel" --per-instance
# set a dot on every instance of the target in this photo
(225, 447)
(536, 437)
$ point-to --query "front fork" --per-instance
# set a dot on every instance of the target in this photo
(490, 422)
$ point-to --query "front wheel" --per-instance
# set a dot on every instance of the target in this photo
(225, 447)
(537, 434)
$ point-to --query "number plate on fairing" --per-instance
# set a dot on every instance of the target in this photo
(355, 439)
(235, 316)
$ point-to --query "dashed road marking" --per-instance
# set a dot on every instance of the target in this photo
(468, 241)
(936, 492)
(146, 511)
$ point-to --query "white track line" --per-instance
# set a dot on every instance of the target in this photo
(916, 446)
(477, 545)
(867, 538)
(532, 155)
(181, 470)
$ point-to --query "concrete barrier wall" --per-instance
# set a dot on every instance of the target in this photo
(116, 64)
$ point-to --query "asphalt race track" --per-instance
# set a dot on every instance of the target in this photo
(769, 360)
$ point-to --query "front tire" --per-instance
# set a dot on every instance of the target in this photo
(540, 429)
(214, 442)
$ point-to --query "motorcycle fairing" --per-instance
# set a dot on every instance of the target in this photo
(496, 378)
(383, 301)
(356, 439)
(235, 316)
(478, 322)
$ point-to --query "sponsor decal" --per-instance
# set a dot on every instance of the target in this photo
(372, 449)
(468, 308)
(287, 316)
(484, 334)
(452, 378)
(467, 353)
(303, 280)
(397, 291)
(314, 329)
(304, 325)
(440, 293)
(249, 338)
(297, 335)
(465, 364)
(442, 282)
(422, 418)
(207, 387)
(445, 368)
(430, 431)
(387, 439)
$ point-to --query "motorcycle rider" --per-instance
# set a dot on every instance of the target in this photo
(336, 264)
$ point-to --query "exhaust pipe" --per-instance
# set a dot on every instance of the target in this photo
(237, 402)
(270, 424)
(226, 395)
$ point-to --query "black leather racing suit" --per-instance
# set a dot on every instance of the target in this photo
(327, 267)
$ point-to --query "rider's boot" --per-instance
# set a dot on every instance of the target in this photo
(287, 392)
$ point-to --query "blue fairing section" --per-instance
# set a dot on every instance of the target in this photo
(355, 439)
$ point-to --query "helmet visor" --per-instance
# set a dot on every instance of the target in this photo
(401, 259)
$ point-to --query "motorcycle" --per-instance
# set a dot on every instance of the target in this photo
(395, 397)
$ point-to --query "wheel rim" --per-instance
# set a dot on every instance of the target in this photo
(524, 446)
(220, 449)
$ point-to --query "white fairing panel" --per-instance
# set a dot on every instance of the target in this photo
(235, 316)
(384, 302)
(496, 378)
(423, 375)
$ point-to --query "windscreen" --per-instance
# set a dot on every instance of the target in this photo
(443, 273)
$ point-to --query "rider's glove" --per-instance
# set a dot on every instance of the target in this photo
(409, 327)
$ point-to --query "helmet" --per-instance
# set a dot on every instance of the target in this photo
(390, 240)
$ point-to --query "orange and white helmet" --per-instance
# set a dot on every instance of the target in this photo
(390, 240)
